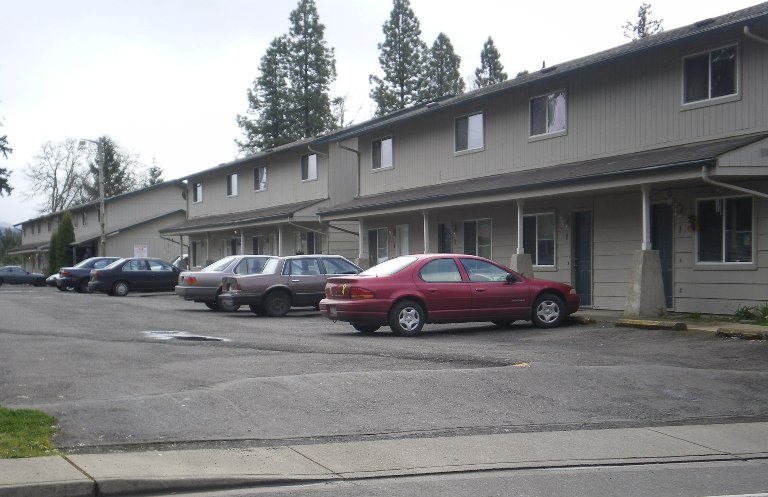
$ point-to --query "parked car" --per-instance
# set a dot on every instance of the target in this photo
(205, 285)
(52, 280)
(296, 280)
(409, 291)
(17, 275)
(134, 274)
(79, 275)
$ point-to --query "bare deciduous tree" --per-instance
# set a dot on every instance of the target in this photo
(58, 174)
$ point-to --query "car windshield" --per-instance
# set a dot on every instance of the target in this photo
(391, 266)
(219, 265)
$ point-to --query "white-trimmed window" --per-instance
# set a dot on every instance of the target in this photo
(84, 218)
(549, 113)
(378, 245)
(232, 185)
(724, 228)
(469, 132)
(539, 238)
(197, 192)
(260, 178)
(477, 237)
(381, 153)
(710, 75)
(308, 242)
(309, 167)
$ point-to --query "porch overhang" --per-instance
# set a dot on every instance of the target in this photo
(683, 162)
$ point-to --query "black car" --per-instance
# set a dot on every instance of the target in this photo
(77, 276)
(144, 274)
(17, 275)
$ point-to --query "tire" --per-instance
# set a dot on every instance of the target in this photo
(212, 306)
(39, 282)
(121, 289)
(62, 288)
(366, 329)
(226, 307)
(548, 311)
(406, 318)
(277, 304)
(256, 309)
(82, 286)
(503, 324)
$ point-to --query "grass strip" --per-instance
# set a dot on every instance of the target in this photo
(25, 433)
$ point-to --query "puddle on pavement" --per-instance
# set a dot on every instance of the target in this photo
(182, 335)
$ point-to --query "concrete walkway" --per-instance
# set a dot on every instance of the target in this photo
(187, 470)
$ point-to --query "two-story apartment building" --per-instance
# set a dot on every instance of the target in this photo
(267, 204)
(640, 170)
(132, 222)
(580, 170)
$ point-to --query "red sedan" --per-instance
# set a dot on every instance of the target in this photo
(409, 291)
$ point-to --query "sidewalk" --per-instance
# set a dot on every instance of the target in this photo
(187, 470)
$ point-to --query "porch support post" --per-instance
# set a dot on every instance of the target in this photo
(425, 216)
(242, 241)
(645, 296)
(280, 240)
(362, 258)
(521, 262)
(207, 248)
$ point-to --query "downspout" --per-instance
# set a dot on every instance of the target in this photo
(357, 170)
(707, 179)
(750, 34)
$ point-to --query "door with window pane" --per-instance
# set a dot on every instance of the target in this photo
(661, 240)
(582, 256)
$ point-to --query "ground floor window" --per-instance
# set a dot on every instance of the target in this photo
(477, 237)
(401, 240)
(234, 246)
(308, 242)
(193, 248)
(260, 245)
(378, 244)
(724, 228)
(539, 238)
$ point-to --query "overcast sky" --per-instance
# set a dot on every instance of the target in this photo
(166, 78)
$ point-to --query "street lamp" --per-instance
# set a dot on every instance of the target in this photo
(100, 162)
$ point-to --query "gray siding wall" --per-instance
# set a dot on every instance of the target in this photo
(617, 109)
(122, 245)
(284, 185)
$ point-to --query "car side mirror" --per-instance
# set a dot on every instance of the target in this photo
(511, 278)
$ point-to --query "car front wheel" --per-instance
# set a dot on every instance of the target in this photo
(277, 304)
(548, 311)
(82, 286)
(121, 289)
(226, 307)
(406, 318)
(366, 328)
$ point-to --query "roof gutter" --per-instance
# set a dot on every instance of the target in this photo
(750, 34)
(705, 176)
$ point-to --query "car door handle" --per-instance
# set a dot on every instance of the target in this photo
(295, 281)
(479, 290)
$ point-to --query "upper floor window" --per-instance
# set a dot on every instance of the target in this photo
(232, 185)
(477, 237)
(49, 226)
(260, 178)
(38, 227)
(710, 75)
(308, 167)
(549, 113)
(197, 192)
(381, 153)
(469, 132)
(84, 218)
(539, 238)
(724, 227)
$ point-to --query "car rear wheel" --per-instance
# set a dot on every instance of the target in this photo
(62, 288)
(121, 289)
(277, 304)
(256, 309)
(39, 282)
(548, 311)
(406, 318)
(212, 306)
(82, 286)
(366, 328)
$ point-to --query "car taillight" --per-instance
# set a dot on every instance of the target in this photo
(357, 293)
(234, 287)
(191, 280)
(63, 274)
(95, 274)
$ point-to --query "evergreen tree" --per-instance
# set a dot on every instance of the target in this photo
(154, 175)
(53, 254)
(9, 240)
(312, 70)
(64, 237)
(441, 75)
(4, 173)
(119, 172)
(644, 26)
(491, 71)
(268, 103)
(401, 57)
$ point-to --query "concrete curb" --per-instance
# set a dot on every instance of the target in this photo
(209, 470)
